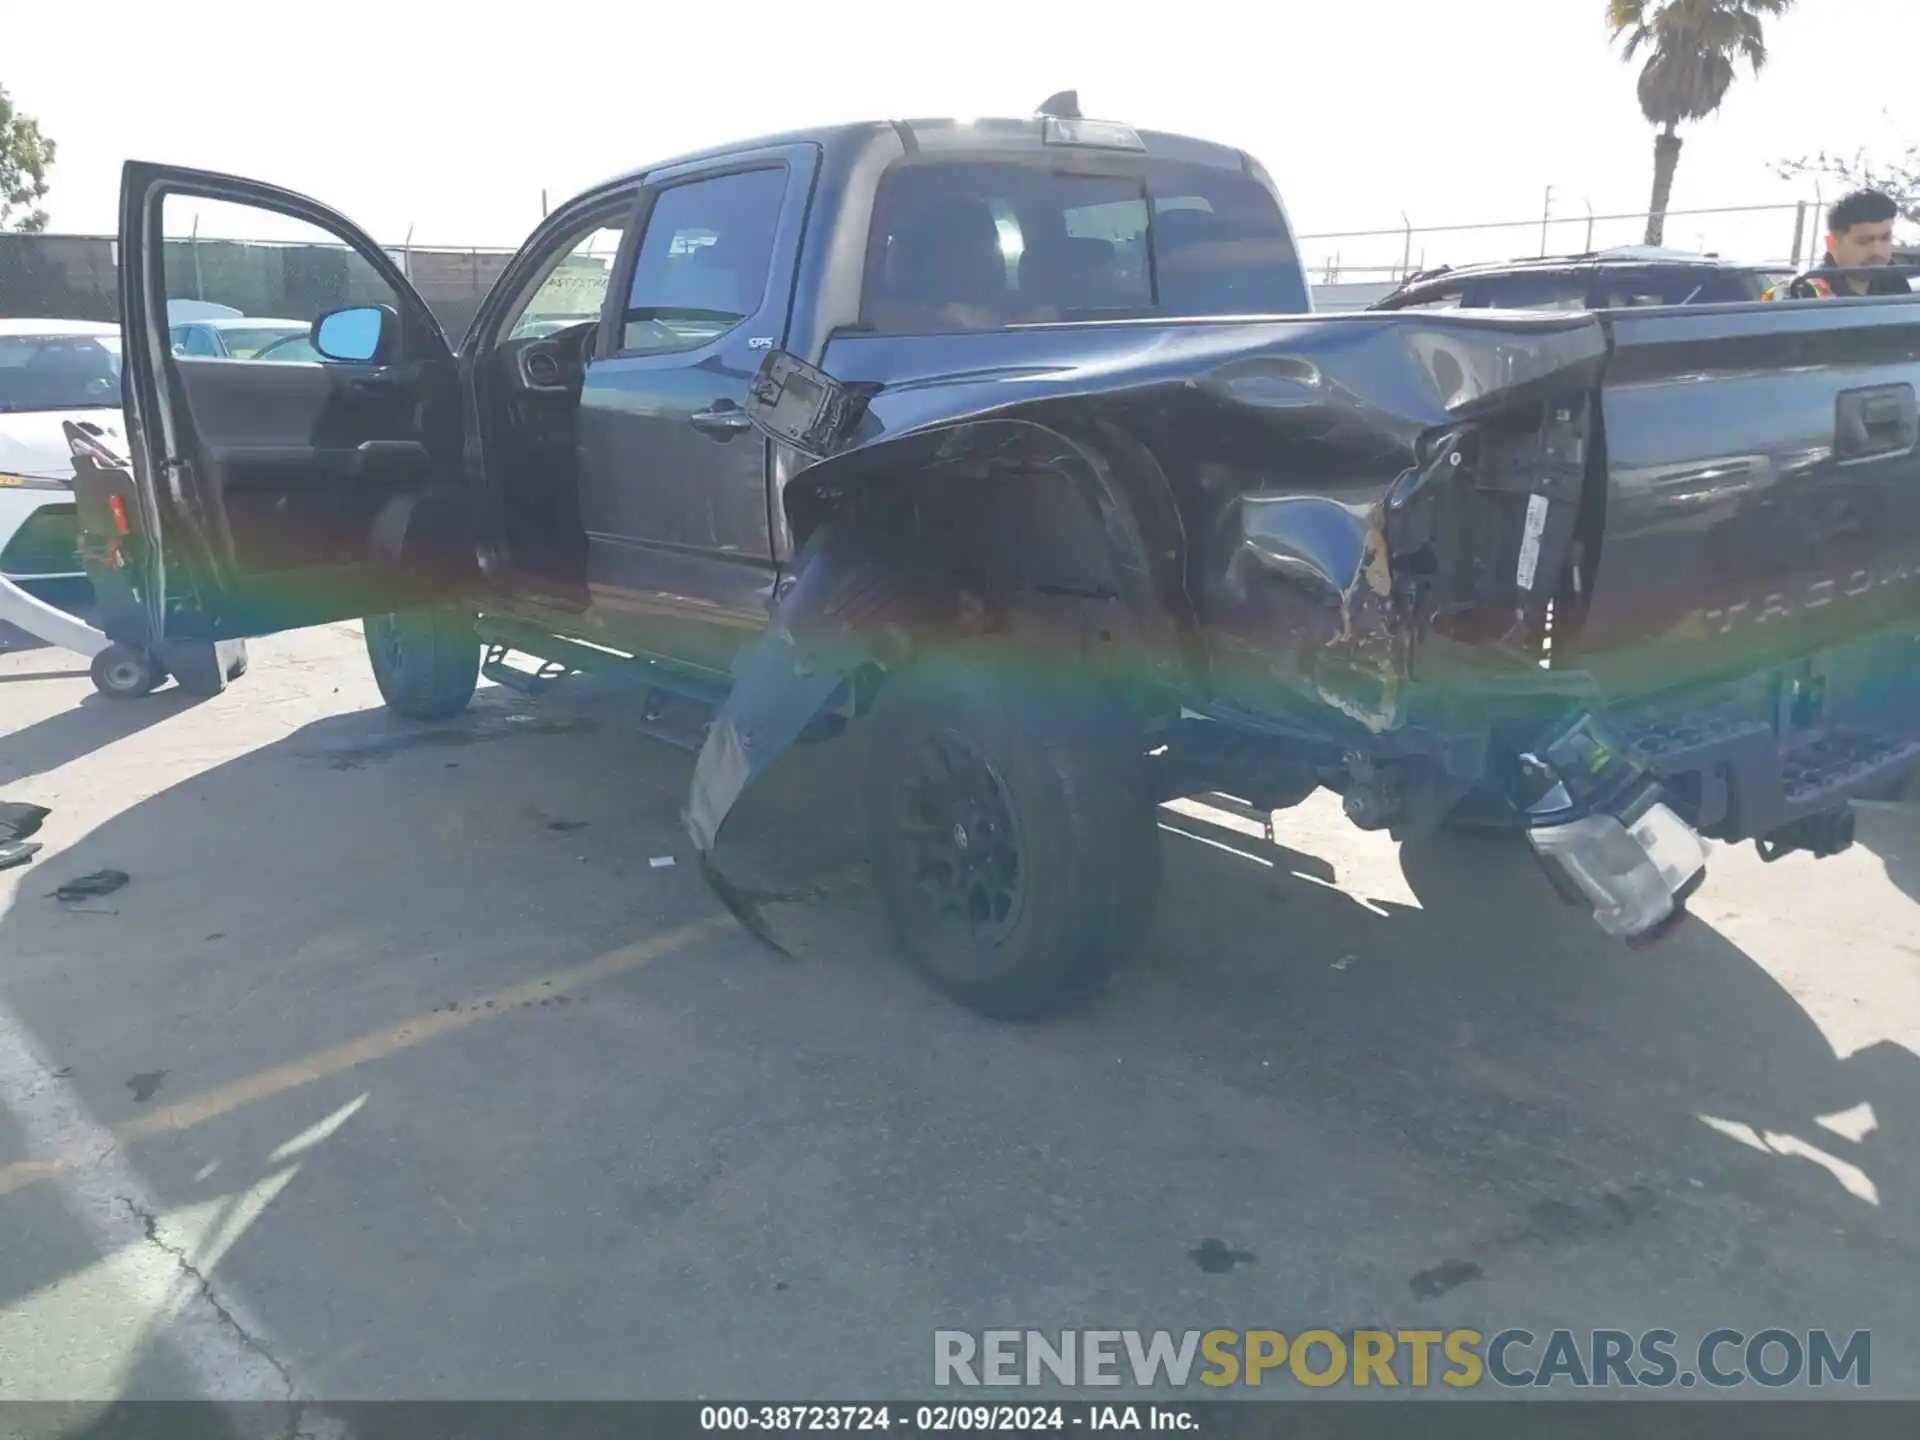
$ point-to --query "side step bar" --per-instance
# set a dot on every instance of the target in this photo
(494, 666)
(679, 703)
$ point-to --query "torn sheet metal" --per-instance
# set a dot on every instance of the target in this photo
(826, 625)
(1305, 457)
(1298, 453)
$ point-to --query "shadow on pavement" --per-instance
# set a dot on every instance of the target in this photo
(1453, 1106)
(360, 873)
(62, 738)
(22, 677)
(1892, 832)
(1637, 1124)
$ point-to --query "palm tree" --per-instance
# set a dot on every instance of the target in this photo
(1693, 47)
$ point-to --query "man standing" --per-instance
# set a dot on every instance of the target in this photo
(1859, 235)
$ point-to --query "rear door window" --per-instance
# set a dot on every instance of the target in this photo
(1532, 290)
(194, 340)
(1700, 285)
(1450, 298)
(977, 244)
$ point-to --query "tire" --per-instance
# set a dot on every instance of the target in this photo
(1057, 838)
(121, 672)
(426, 662)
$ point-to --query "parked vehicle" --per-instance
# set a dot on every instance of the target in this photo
(1018, 438)
(1628, 277)
(50, 371)
(241, 337)
(297, 346)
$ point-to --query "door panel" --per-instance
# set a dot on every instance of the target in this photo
(302, 461)
(532, 341)
(284, 492)
(674, 480)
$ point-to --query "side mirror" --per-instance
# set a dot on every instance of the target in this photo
(357, 333)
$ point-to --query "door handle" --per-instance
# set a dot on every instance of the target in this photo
(381, 385)
(1877, 420)
(723, 420)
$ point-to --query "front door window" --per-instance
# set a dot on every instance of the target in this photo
(245, 283)
(574, 289)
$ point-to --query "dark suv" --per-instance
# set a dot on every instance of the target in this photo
(1620, 279)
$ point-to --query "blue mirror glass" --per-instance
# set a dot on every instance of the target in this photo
(349, 334)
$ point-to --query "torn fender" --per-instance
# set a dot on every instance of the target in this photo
(829, 621)
(1340, 486)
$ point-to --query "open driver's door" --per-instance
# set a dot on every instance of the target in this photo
(311, 469)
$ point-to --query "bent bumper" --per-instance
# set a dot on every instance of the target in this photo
(1624, 803)
(1634, 871)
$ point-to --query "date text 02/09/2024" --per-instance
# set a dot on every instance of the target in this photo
(942, 1419)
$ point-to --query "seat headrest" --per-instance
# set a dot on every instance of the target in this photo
(946, 253)
(1071, 272)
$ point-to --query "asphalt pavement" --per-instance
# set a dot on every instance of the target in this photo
(417, 1061)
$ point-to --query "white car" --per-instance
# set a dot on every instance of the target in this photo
(50, 371)
(242, 337)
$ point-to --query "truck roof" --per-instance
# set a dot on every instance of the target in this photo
(949, 132)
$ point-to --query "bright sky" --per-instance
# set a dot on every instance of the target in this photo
(450, 119)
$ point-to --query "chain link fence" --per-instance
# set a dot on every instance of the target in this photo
(1787, 235)
(76, 277)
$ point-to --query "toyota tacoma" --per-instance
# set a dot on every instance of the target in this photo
(1020, 439)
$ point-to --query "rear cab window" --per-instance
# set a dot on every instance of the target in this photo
(976, 243)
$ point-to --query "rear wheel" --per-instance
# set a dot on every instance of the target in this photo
(1012, 837)
(426, 662)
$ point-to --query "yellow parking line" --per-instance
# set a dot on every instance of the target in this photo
(23, 1173)
(378, 1045)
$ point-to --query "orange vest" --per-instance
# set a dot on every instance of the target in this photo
(1806, 287)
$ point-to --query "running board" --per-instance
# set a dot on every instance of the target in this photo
(494, 666)
(679, 703)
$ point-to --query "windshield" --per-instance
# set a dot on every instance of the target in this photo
(59, 372)
(289, 347)
(245, 344)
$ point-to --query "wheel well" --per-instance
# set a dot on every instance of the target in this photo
(1067, 536)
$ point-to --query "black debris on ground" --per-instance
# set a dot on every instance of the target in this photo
(90, 887)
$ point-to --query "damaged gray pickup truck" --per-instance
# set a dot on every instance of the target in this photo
(1019, 439)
